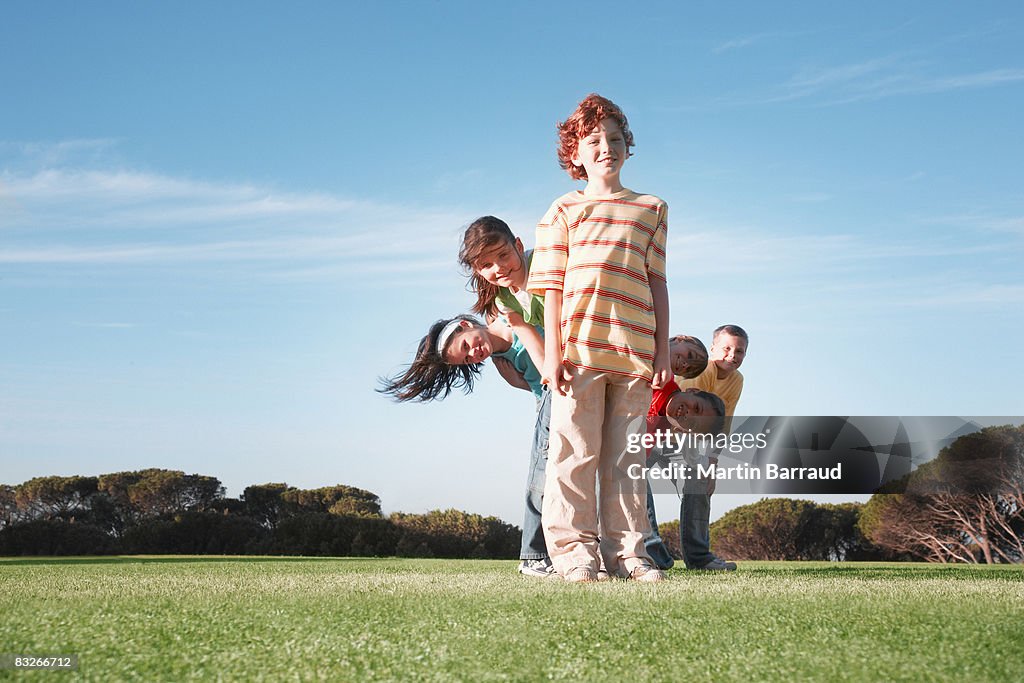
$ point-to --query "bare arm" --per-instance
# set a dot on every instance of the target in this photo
(662, 361)
(554, 373)
(509, 373)
(529, 337)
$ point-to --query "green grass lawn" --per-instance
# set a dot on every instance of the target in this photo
(175, 618)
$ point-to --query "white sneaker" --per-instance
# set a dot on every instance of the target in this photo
(538, 569)
(581, 575)
(647, 574)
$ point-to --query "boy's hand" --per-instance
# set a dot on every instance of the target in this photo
(557, 375)
(711, 480)
(662, 369)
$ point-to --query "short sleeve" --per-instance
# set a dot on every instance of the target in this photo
(655, 261)
(547, 271)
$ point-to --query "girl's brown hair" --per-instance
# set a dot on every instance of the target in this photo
(482, 234)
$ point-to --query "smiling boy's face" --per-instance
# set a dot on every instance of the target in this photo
(602, 153)
(688, 360)
(728, 352)
(685, 407)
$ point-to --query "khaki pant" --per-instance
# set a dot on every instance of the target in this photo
(587, 493)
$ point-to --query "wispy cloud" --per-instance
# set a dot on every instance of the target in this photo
(847, 270)
(751, 246)
(734, 44)
(969, 294)
(867, 80)
(446, 182)
(889, 76)
(978, 222)
(125, 198)
(810, 79)
(120, 220)
(740, 42)
(811, 197)
(108, 326)
(899, 84)
(124, 217)
(49, 154)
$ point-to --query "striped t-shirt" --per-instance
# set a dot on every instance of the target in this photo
(601, 252)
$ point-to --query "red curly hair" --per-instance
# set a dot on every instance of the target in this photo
(590, 112)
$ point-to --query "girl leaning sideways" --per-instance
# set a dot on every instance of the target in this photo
(452, 353)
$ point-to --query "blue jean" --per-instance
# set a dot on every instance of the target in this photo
(694, 525)
(656, 547)
(533, 546)
(694, 513)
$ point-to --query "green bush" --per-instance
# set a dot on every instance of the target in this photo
(56, 537)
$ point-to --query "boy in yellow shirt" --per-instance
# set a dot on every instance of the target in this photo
(723, 378)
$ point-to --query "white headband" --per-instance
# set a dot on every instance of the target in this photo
(446, 335)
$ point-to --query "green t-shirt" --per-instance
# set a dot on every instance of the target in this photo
(530, 306)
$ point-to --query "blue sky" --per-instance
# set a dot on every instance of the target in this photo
(219, 225)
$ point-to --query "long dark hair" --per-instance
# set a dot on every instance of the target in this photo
(483, 233)
(430, 376)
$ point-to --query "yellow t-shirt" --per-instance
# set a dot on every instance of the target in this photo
(601, 252)
(728, 389)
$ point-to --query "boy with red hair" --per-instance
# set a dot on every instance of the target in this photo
(599, 263)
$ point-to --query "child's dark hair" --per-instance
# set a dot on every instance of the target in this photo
(482, 234)
(430, 376)
(590, 112)
(717, 423)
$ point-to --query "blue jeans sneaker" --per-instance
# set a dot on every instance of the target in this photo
(538, 569)
(719, 565)
(533, 546)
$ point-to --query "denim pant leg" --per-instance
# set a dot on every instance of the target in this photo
(694, 513)
(656, 547)
(533, 546)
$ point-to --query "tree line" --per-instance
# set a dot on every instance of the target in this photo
(157, 511)
(966, 505)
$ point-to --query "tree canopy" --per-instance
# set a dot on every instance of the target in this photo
(157, 511)
(967, 505)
